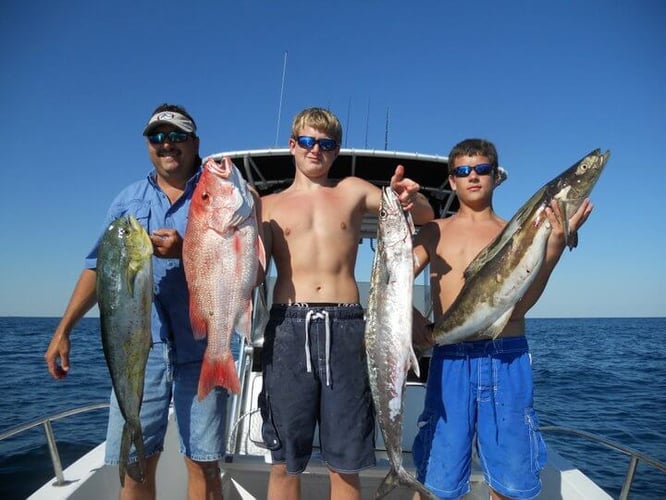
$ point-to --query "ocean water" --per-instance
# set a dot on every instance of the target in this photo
(604, 376)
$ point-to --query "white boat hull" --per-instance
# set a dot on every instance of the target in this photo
(245, 475)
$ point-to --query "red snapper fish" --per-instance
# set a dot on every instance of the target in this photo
(221, 252)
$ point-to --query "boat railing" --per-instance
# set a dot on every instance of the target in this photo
(50, 436)
(635, 456)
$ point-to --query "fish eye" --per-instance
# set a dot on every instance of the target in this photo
(205, 195)
(383, 213)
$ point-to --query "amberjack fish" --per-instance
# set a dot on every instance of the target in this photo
(388, 333)
(221, 252)
(124, 294)
(502, 272)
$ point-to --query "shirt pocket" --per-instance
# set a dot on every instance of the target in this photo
(142, 215)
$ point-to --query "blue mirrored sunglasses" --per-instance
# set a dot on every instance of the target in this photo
(307, 142)
(480, 169)
(173, 136)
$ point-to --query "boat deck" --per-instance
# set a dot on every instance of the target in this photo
(245, 470)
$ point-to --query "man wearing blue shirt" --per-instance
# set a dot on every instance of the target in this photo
(160, 203)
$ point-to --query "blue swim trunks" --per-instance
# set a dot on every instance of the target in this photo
(201, 424)
(480, 392)
(315, 372)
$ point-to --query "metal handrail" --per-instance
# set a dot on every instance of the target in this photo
(635, 456)
(50, 436)
(633, 462)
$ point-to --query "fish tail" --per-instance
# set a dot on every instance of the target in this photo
(125, 442)
(414, 362)
(137, 471)
(218, 372)
(387, 485)
(404, 478)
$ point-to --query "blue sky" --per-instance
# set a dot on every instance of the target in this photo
(546, 81)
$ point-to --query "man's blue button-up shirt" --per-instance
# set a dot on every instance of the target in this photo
(170, 319)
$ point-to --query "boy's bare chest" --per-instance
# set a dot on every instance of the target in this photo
(323, 214)
(460, 246)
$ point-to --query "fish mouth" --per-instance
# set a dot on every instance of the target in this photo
(390, 199)
(221, 167)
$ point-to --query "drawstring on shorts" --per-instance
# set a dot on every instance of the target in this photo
(321, 314)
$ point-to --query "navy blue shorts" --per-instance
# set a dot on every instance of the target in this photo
(315, 372)
(480, 391)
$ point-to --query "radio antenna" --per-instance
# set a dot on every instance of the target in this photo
(284, 72)
(367, 121)
(348, 127)
(386, 130)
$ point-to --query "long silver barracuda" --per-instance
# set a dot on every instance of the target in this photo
(500, 275)
(124, 295)
(388, 333)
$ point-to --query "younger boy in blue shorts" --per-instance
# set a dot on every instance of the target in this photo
(480, 391)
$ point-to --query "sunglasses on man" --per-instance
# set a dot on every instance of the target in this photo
(172, 137)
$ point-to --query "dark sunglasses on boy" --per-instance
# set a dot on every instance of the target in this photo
(480, 169)
(308, 142)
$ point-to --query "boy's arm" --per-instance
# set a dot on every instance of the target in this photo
(554, 248)
(422, 211)
(423, 244)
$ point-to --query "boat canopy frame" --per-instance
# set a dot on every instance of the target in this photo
(272, 170)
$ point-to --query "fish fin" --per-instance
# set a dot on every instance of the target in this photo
(414, 362)
(244, 323)
(130, 277)
(400, 476)
(137, 470)
(570, 237)
(498, 326)
(125, 442)
(198, 324)
(218, 372)
(388, 484)
(261, 253)
(261, 314)
(410, 223)
(565, 221)
(572, 240)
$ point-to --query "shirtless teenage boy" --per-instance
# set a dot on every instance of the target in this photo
(313, 362)
(480, 391)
